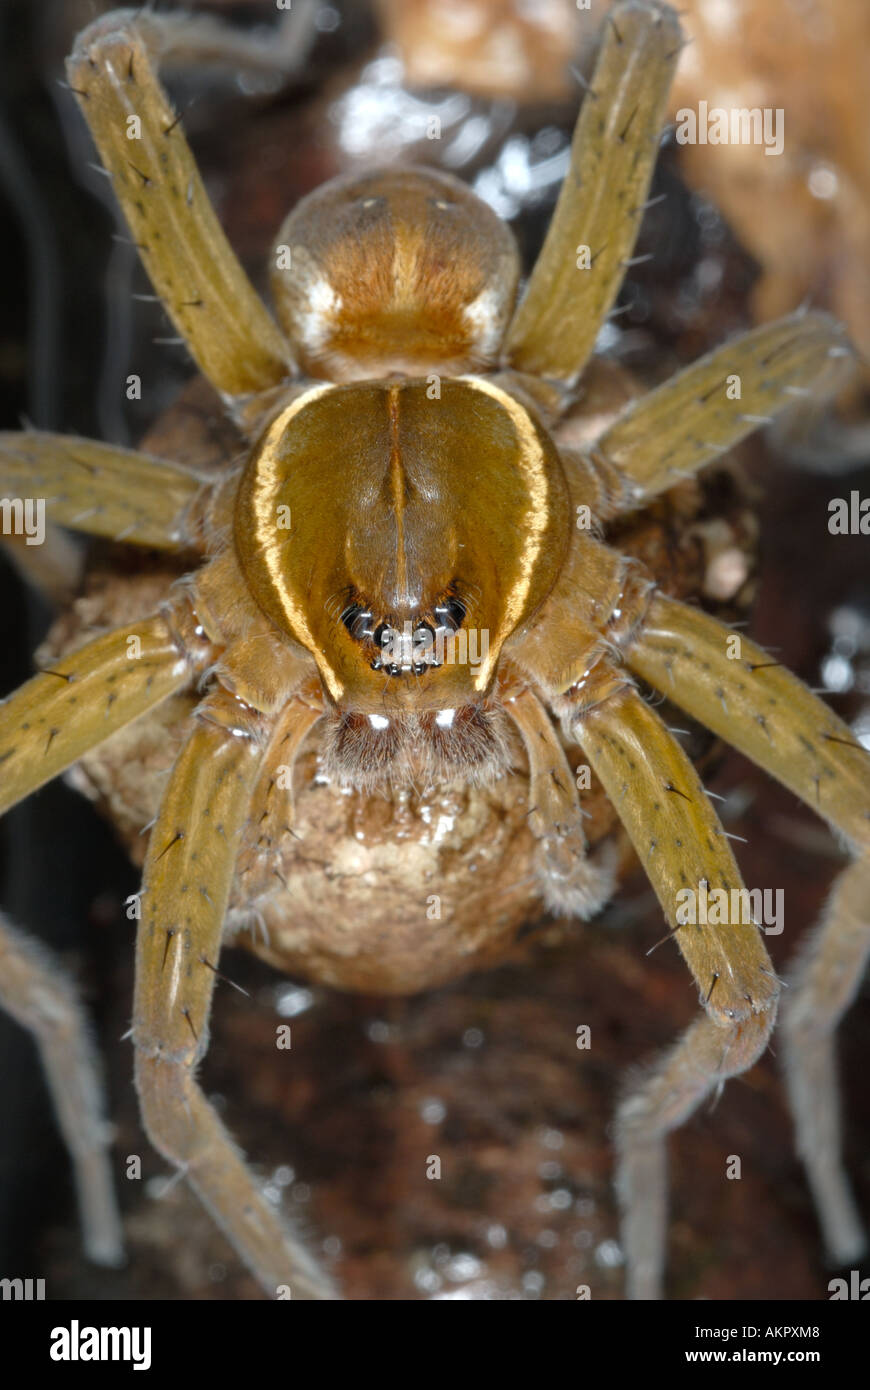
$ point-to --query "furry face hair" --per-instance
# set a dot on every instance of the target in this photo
(368, 751)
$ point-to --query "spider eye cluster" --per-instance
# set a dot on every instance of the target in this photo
(415, 647)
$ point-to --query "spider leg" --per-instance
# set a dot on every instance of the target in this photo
(188, 874)
(36, 993)
(275, 787)
(197, 40)
(54, 568)
(704, 1057)
(822, 984)
(98, 488)
(571, 882)
(696, 415)
(759, 707)
(733, 687)
(88, 695)
(44, 727)
(585, 255)
(686, 855)
(183, 247)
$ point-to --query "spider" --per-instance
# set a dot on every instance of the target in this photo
(407, 568)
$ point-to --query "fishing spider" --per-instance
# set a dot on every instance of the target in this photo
(407, 564)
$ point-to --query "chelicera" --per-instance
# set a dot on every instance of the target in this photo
(407, 568)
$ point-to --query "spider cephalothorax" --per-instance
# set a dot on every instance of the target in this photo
(448, 511)
(409, 569)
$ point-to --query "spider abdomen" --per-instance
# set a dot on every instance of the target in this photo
(396, 270)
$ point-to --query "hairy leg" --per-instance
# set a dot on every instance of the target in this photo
(698, 414)
(70, 708)
(656, 1104)
(757, 705)
(191, 264)
(99, 488)
(660, 800)
(586, 252)
(754, 703)
(682, 846)
(822, 984)
(274, 792)
(571, 882)
(44, 727)
(35, 991)
(192, 39)
(53, 569)
(188, 873)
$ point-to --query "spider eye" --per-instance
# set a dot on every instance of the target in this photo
(450, 613)
(357, 620)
